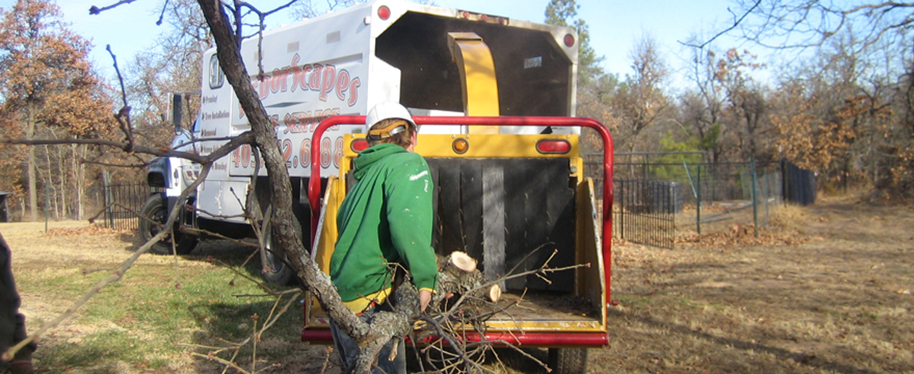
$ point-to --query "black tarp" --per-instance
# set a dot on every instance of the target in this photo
(4, 206)
(799, 184)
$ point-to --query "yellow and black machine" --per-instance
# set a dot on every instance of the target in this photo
(494, 99)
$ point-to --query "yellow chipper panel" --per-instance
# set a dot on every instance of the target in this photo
(477, 73)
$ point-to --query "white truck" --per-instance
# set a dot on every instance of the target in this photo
(436, 62)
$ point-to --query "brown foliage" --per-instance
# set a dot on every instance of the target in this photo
(50, 91)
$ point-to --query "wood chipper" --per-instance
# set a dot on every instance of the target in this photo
(498, 197)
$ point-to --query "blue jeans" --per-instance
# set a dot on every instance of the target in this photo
(348, 350)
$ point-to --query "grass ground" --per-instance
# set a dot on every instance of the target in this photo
(826, 289)
(163, 308)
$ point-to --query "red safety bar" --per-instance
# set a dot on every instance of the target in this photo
(538, 339)
(314, 185)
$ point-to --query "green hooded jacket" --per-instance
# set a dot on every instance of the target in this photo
(385, 218)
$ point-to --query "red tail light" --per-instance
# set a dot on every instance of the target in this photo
(383, 12)
(359, 145)
(569, 40)
(553, 146)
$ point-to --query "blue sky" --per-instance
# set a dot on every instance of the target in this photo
(615, 25)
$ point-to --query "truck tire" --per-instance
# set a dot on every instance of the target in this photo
(568, 360)
(156, 210)
(275, 269)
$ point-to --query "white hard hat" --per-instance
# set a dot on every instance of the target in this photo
(388, 110)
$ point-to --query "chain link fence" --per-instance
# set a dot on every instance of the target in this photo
(700, 197)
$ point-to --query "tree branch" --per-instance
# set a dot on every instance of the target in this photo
(94, 10)
(283, 230)
(735, 25)
(244, 138)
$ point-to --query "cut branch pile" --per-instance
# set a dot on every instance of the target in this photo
(458, 275)
(465, 301)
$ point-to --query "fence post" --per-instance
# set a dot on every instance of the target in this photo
(47, 204)
(698, 198)
(109, 199)
(767, 193)
(622, 210)
(754, 194)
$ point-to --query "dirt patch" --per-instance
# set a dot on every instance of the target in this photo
(827, 290)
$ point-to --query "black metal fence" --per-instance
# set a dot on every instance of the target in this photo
(644, 211)
(122, 204)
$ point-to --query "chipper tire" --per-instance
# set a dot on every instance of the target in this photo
(568, 360)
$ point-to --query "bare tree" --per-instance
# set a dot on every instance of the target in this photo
(746, 102)
(642, 102)
(702, 107)
(312, 8)
(810, 23)
(168, 67)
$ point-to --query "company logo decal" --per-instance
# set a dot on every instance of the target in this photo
(327, 80)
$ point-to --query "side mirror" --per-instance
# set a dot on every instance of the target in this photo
(177, 111)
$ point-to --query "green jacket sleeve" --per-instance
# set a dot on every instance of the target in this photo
(409, 191)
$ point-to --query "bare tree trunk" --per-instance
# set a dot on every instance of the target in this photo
(64, 180)
(78, 181)
(49, 186)
(30, 160)
(284, 230)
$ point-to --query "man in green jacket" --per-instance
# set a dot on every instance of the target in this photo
(386, 218)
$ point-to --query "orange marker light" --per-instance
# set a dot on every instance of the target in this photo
(460, 146)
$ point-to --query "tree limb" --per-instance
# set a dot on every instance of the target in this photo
(284, 232)
(94, 10)
(245, 138)
(733, 26)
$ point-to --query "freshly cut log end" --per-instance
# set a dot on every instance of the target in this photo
(463, 261)
(494, 293)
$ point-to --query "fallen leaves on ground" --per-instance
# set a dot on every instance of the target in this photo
(79, 231)
(740, 235)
